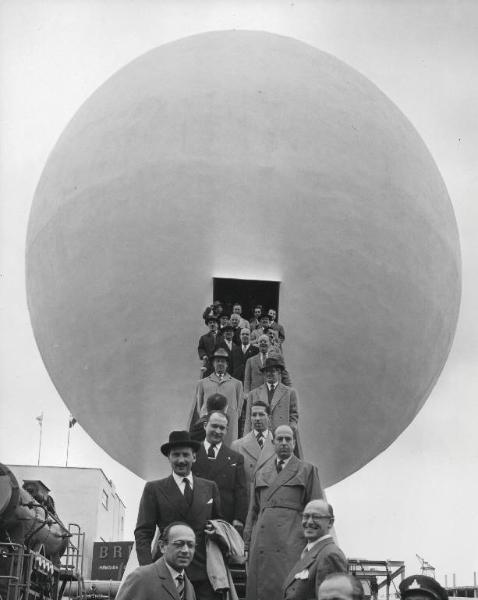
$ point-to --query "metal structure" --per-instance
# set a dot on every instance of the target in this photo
(39, 556)
(426, 567)
(376, 575)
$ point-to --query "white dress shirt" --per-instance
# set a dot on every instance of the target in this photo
(216, 449)
(180, 483)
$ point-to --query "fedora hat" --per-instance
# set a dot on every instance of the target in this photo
(273, 363)
(220, 353)
(179, 439)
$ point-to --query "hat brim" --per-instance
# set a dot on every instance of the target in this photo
(166, 448)
(269, 368)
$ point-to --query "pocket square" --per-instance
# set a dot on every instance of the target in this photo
(209, 501)
(302, 575)
(233, 464)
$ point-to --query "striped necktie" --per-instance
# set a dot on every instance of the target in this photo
(180, 585)
(260, 439)
(280, 465)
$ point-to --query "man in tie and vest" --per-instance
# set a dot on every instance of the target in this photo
(217, 462)
(273, 535)
(256, 446)
(220, 382)
(320, 557)
(164, 579)
(179, 497)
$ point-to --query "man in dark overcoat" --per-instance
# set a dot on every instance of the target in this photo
(179, 497)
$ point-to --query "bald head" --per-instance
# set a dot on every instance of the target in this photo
(317, 520)
(340, 586)
(284, 442)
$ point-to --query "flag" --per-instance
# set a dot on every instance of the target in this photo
(40, 419)
(72, 421)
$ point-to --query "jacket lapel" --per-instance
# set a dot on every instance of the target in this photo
(283, 477)
(278, 393)
(307, 560)
(175, 497)
(221, 460)
(166, 579)
(251, 445)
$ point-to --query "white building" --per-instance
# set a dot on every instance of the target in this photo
(83, 496)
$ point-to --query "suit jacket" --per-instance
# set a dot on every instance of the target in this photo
(284, 406)
(273, 531)
(229, 387)
(253, 376)
(324, 558)
(162, 503)
(254, 456)
(227, 470)
(280, 330)
(239, 359)
(153, 582)
(208, 343)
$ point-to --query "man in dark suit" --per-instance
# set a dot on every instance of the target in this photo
(181, 496)
(164, 579)
(241, 353)
(207, 344)
(320, 557)
(217, 462)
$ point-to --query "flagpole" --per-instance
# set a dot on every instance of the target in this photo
(40, 422)
(68, 445)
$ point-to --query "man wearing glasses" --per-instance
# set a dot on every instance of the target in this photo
(320, 557)
(165, 578)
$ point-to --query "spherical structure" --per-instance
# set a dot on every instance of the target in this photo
(242, 154)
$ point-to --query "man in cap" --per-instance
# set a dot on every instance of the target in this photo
(217, 462)
(181, 496)
(282, 400)
(166, 577)
(421, 587)
(256, 446)
(215, 309)
(223, 321)
(320, 557)
(273, 534)
(207, 344)
(341, 586)
(220, 382)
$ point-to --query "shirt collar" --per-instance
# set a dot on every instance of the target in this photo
(267, 434)
(286, 460)
(312, 544)
(179, 480)
(173, 572)
(216, 446)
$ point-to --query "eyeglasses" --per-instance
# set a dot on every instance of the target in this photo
(315, 518)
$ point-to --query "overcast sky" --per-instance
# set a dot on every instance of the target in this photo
(421, 495)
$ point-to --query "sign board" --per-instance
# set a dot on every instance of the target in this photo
(109, 559)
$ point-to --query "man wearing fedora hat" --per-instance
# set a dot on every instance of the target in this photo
(282, 400)
(220, 382)
(179, 497)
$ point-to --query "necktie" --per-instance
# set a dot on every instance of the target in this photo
(188, 493)
(244, 349)
(270, 392)
(260, 439)
(280, 466)
(180, 585)
(210, 453)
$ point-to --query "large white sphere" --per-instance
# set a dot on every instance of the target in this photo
(250, 155)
